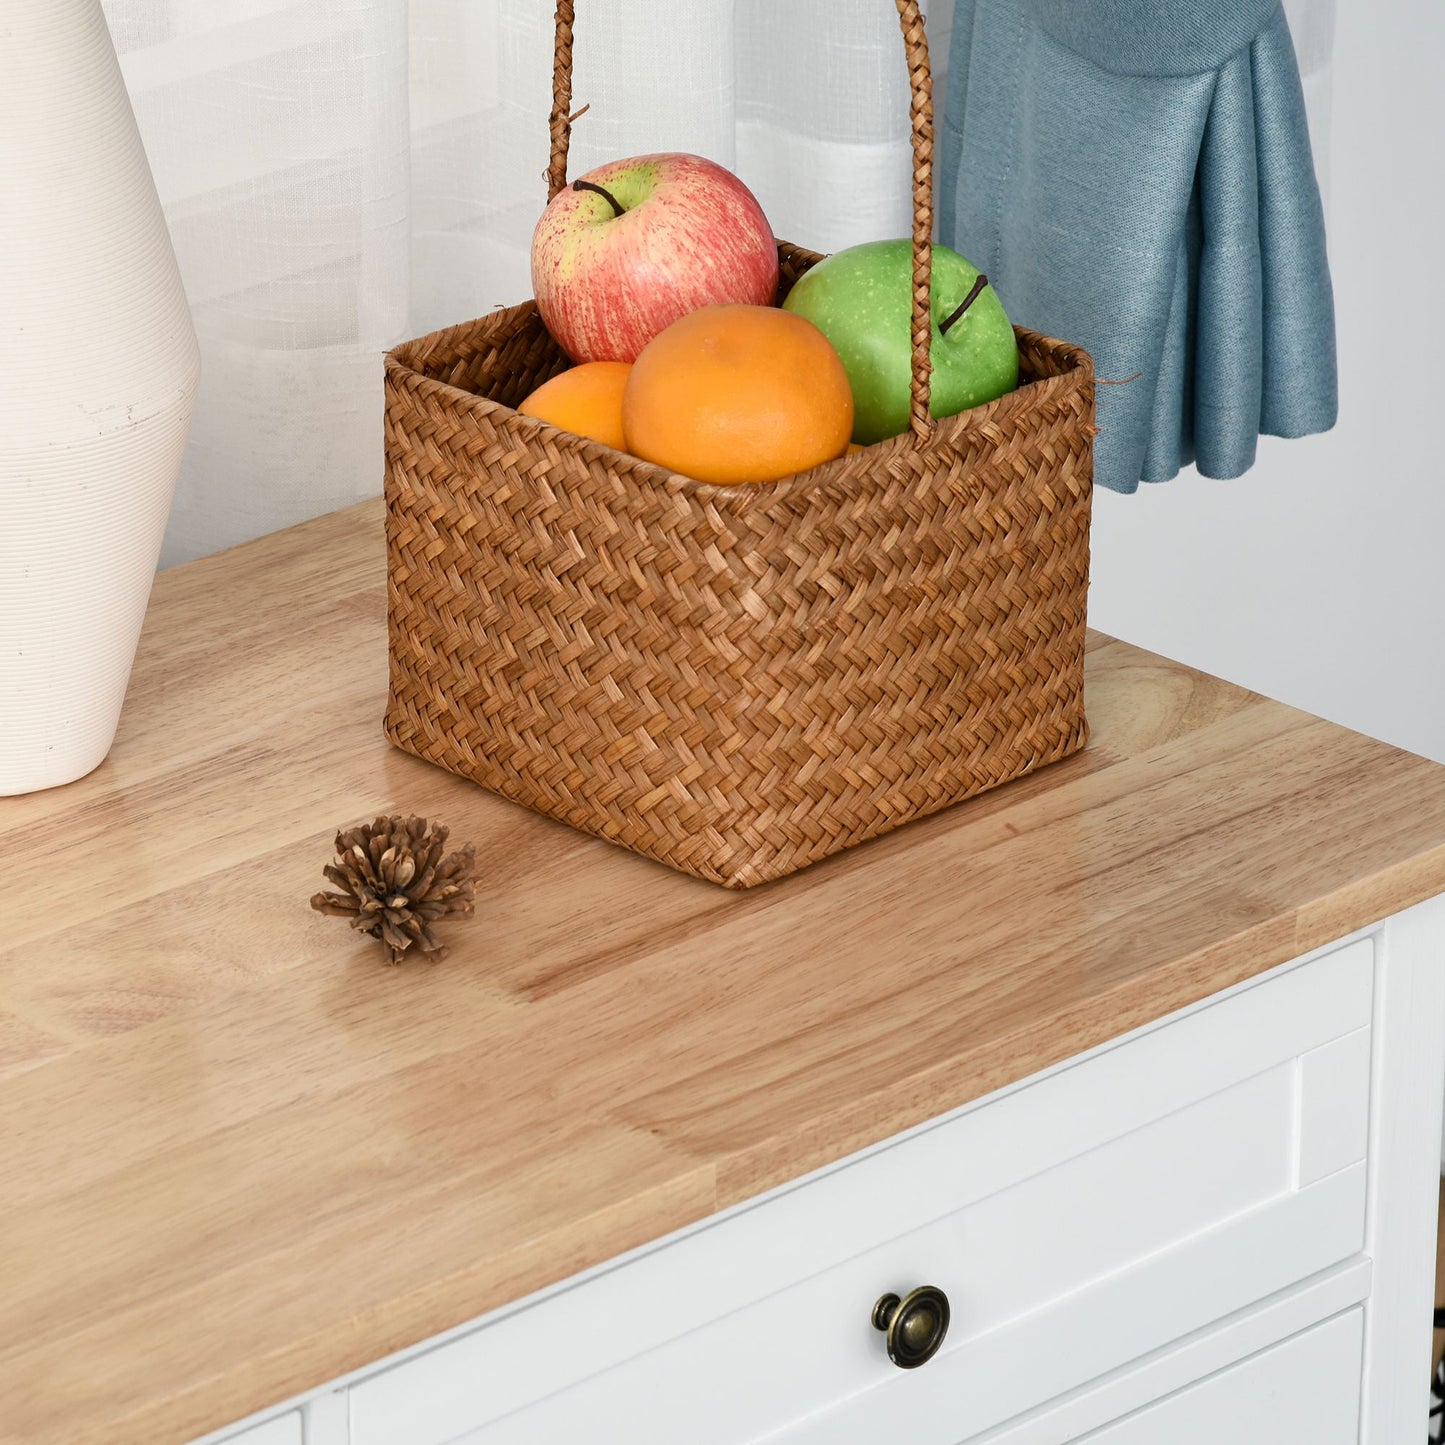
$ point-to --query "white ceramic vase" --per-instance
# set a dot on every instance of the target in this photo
(98, 372)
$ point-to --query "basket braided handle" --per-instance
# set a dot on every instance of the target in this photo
(920, 110)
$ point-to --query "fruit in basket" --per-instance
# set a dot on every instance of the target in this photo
(585, 400)
(862, 301)
(733, 394)
(628, 248)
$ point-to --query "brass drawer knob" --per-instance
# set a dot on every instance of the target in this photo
(914, 1325)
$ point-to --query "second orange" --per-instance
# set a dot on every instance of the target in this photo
(731, 394)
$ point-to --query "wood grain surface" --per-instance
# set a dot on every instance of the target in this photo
(243, 1156)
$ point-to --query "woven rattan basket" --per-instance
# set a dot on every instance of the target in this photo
(736, 681)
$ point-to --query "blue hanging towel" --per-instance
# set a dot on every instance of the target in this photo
(1135, 176)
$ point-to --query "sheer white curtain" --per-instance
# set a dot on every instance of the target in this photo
(341, 174)
(1312, 23)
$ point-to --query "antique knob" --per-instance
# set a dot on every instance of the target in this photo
(915, 1325)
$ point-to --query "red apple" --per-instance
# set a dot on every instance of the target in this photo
(625, 250)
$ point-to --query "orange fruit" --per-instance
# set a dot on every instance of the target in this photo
(586, 400)
(738, 393)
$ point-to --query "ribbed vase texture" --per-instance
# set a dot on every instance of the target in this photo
(98, 372)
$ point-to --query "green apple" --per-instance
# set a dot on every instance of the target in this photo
(861, 299)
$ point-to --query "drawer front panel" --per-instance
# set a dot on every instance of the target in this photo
(1077, 1223)
(1306, 1389)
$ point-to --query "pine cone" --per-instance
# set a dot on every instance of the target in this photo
(397, 884)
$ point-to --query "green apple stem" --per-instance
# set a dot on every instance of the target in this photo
(963, 305)
(610, 198)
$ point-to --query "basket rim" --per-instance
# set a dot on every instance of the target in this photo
(1077, 369)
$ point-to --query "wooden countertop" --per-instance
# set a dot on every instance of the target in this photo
(244, 1156)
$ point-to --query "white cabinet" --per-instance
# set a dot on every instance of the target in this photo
(1076, 1225)
(1209, 1230)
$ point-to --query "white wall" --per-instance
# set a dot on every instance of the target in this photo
(1319, 577)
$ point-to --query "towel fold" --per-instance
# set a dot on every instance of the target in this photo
(1135, 176)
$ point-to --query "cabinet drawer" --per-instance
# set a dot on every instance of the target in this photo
(1307, 1389)
(1304, 1389)
(1076, 1223)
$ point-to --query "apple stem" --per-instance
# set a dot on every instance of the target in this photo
(593, 186)
(963, 305)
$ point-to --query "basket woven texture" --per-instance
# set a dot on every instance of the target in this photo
(735, 681)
